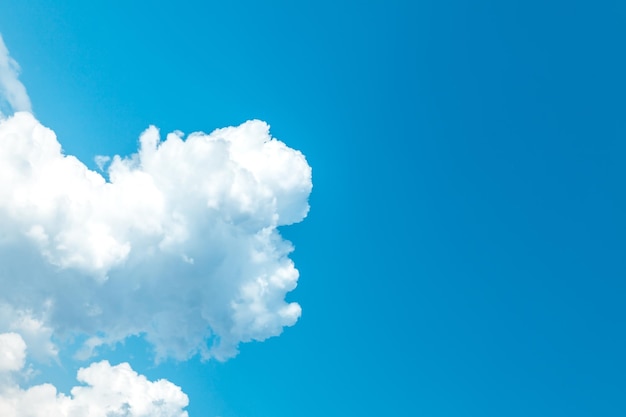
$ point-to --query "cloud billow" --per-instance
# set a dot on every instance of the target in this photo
(179, 244)
(106, 391)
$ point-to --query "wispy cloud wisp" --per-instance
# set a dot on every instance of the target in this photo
(12, 92)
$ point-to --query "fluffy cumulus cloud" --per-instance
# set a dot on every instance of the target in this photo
(107, 391)
(179, 243)
(13, 96)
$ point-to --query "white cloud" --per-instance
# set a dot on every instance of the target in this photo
(101, 161)
(180, 244)
(11, 88)
(32, 329)
(108, 391)
(12, 352)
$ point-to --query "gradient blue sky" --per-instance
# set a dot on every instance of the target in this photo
(464, 254)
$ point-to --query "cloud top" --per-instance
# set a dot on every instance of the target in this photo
(179, 243)
(12, 91)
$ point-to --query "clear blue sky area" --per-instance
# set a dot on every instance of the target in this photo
(465, 250)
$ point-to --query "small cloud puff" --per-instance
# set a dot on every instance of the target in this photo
(179, 244)
(12, 352)
(107, 391)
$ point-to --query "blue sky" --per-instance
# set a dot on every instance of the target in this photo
(464, 250)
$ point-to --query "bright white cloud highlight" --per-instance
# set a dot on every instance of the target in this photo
(11, 88)
(180, 243)
(108, 391)
(12, 352)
